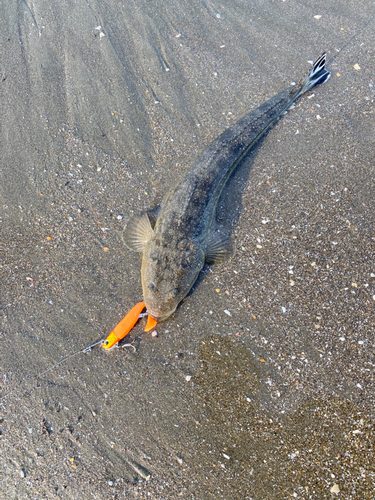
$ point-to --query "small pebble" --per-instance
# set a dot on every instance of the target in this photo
(154, 334)
(357, 67)
(188, 378)
(227, 312)
(335, 489)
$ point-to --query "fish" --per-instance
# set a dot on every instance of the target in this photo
(178, 239)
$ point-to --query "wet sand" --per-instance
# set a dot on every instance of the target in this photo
(261, 386)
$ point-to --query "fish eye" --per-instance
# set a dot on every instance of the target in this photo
(151, 287)
(174, 292)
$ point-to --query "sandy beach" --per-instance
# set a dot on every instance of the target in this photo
(261, 385)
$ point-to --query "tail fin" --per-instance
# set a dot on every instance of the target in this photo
(317, 75)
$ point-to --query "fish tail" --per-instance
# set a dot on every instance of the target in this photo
(317, 75)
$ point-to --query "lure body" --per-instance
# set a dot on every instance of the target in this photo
(123, 328)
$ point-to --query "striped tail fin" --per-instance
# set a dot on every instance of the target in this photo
(317, 75)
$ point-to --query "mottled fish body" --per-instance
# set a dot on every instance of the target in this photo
(182, 239)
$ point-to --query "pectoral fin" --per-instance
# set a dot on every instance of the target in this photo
(137, 233)
(218, 248)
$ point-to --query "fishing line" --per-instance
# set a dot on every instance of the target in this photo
(350, 40)
(81, 351)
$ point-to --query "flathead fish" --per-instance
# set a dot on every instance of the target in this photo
(182, 239)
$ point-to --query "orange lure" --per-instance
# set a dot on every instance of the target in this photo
(126, 324)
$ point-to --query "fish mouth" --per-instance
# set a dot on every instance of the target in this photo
(159, 317)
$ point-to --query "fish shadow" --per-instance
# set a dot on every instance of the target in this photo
(230, 203)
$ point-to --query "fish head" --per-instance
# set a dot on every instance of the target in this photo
(169, 270)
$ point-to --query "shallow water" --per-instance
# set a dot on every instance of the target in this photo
(104, 105)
